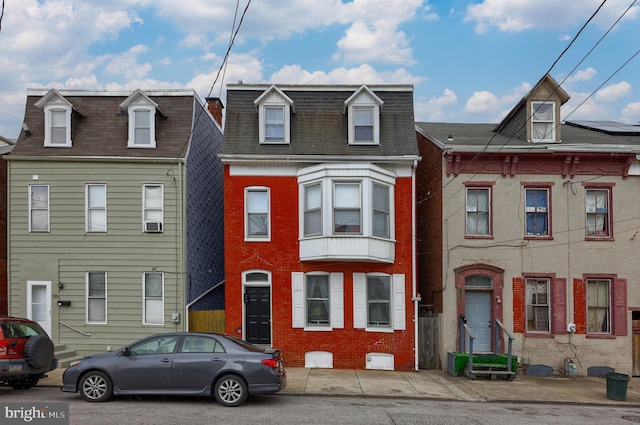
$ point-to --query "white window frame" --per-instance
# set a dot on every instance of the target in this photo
(148, 209)
(145, 299)
(90, 298)
(91, 210)
(299, 301)
(385, 213)
(311, 212)
(551, 137)
(48, 124)
(273, 97)
(535, 303)
(343, 208)
(397, 308)
(46, 210)
(133, 140)
(327, 177)
(363, 98)
(248, 212)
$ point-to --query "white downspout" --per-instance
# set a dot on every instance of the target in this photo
(415, 297)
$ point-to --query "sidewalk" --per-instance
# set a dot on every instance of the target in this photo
(439, 385)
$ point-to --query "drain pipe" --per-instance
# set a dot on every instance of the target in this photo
(415, 296)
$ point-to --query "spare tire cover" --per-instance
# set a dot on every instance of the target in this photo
(38, 351)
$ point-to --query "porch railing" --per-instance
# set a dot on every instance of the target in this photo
(466, 331)
(74, 329)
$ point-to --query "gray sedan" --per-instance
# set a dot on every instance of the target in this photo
(179, 364)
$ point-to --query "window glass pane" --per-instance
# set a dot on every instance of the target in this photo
(257, 212)
(274, 124)
(58, 135)
(97, 221)
(347, 221)
(97, 284)
(537, 299)
(478, 281)
(598, 303)
(97, 195)
(536, 211)
(380, 210)
(153, 285)
(379, 300)
(58, 118)
(142, 136)
(153, 196)
(142, 131)
(597, 209)
(257, 201)
(39, 208)
(274, 114)
(97, 310)
(347, 195)
(318, 302)
(313, 210)
(256, 277)
(39, 303)
(477, 212)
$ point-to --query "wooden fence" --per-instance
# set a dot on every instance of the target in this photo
(429, 341)
(207, 321)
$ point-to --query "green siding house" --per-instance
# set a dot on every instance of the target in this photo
(103, 244)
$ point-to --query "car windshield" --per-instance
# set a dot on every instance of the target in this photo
(245, 344)
(15, 329)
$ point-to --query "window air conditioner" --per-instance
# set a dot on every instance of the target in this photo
(152, 226)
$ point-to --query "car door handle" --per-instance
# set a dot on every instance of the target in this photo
(216, 359)
(165, 360)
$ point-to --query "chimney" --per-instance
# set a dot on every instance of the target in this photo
(214, 104)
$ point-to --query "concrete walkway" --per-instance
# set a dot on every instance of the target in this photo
(438, 385)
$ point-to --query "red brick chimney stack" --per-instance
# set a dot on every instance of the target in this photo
(215, 106)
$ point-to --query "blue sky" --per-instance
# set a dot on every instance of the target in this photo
(469, 61)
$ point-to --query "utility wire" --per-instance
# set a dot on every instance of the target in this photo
(484, 149)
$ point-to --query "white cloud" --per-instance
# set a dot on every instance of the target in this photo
(435, 109)
(126, 64)
(378, 42)
(481, 102)
(631, 113)
(614, 92)
(521, 15)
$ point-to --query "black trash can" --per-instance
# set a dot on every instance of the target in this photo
(617, 386)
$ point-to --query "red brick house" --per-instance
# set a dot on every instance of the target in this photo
(533, 222)
(319, 223)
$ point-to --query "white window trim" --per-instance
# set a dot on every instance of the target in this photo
(274, 97)
(397, 308)
(299, 301)
(48, 229)
(144, 299)
(363, 98)
(327, 176)
(88, 209)
(553, 121)
(106, 310)
(132, 126)
(48, 109)
(247, 236)
(144, 207)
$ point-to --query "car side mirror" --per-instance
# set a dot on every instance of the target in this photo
(126, 352)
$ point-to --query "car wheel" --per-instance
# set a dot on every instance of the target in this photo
(231, 391)
(38, 351)
(96, 386)
(24, 384)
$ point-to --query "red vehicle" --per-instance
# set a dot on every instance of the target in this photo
(26, 352)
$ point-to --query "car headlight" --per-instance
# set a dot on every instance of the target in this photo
(74, 363)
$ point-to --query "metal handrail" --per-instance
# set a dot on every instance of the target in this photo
(72, 328)
(464, 329)
(497, 342)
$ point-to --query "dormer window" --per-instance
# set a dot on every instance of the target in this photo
(141, 127)
(274, 112)
(543, 121)
(57, 119)
(142, 120)
(363, 111)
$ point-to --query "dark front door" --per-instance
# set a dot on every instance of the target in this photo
(258, 315)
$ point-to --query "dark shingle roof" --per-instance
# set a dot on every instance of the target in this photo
(102, 129)
(319, 125)
(482, 136)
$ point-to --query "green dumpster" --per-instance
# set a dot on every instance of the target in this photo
(617, 386)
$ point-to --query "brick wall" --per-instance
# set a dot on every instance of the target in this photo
(280, 257)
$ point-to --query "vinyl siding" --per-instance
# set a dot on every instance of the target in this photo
(125, 252)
